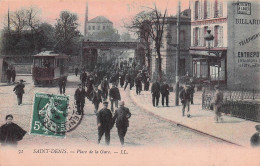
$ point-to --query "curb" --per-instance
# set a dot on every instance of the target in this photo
(182, 125)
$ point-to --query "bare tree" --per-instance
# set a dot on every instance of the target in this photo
(66, 30)
(149, 25)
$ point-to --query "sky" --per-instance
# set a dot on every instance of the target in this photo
(117, 11)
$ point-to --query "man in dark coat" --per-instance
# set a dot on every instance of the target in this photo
(138, 84)
(114, 96)
(8, 75)
(19, 91)
(121, 117)
(155, 90)
(192, 89)
(90, 84)
(122, 79)
(165, 93)
(96, 98)
(127, 81)
(218, 101)
(62, 85)
(76, 71)
(185, 100)
(83, 78)
(13, 74)
(255, 139)
(79, 97)
(104, 123)
(104, 88)
(10, 133)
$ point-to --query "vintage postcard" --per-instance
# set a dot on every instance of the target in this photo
(130, 82)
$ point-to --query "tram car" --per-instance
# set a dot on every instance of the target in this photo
(49, 67)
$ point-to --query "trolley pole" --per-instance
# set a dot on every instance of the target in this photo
(177, 55)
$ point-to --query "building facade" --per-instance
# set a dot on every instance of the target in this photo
(229, 59)
(168, 49)
(99, 24)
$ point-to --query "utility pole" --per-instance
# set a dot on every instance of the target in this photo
(177, 55)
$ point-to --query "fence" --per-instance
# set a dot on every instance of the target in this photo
(241, 103)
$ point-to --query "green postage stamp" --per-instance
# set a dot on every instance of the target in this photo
(49, 115)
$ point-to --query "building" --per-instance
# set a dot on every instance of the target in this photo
(232, 57)
(168, 49)
(99, 24)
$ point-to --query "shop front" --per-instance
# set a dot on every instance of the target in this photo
(209, 67)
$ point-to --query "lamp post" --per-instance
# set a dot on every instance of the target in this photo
(209, 37)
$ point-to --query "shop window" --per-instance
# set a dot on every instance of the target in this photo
(89, 27)
(93, 27)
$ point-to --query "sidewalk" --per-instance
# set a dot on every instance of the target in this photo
(232, 129)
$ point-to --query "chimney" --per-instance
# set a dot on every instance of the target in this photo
(86, 20)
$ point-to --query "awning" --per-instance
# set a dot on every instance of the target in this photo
(205, 53)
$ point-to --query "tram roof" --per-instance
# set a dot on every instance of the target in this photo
(50, 54)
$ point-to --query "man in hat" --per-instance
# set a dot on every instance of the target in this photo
(96, 98)
(155, 90)
(13, 74)
(255, 139)
(218, 100)
(19, 91)
(114, 96)
(121, 117)
(8, 75)
(79, 97)
(62, 85)
(104, 123)
(104, 87)
(185, 100)
(83, 78)
(165, 93)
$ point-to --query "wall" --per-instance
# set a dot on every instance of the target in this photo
(243, 39)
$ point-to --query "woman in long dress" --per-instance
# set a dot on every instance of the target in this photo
(10, 133)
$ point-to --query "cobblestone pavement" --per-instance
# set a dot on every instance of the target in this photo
(144, 130)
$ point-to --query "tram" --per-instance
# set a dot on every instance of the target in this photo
(49, 67)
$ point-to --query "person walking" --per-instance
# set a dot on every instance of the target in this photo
(185, 100)
(127, 81)
(13, 74)
(83, 78)
(76, 71)
(165, 93)
(79, 97)
(138, 85)
(104, 87)
(114, 96)
(218, 100)
(19, 91)
(10, 133)
(155, 90)
(122, 114)
(192, 90)
(62, 85)
(8, 75)
(96, 98)
(104, 123)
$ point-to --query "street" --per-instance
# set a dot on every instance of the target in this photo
(144, 129)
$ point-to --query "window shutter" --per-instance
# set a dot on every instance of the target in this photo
(216, 29)
(220, 8)
(221, 36)
(205, 9)
(208, 9)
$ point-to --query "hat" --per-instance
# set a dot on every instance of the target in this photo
(257, 127)
(105, 102)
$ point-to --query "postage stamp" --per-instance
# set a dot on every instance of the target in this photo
(52, 116)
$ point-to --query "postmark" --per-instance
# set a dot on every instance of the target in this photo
(53, 115)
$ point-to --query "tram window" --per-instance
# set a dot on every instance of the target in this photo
(37, 62)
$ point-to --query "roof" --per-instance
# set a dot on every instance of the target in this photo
(49, 54)
(99, 19)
